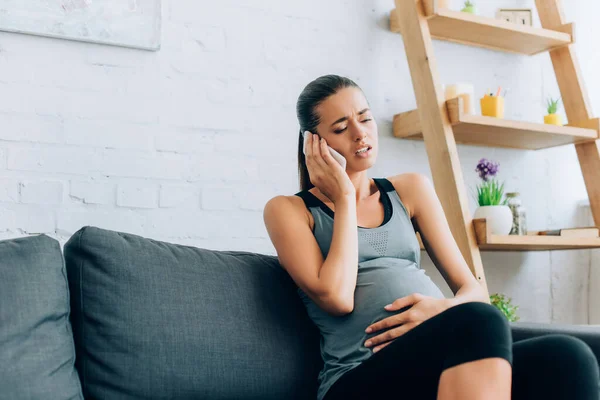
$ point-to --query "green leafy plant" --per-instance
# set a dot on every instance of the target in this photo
(469, 7)
(502, 303)
(552, 105)
(490, 192)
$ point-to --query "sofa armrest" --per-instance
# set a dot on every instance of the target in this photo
(590, 334)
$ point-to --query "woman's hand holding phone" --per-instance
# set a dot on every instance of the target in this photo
(325, 172)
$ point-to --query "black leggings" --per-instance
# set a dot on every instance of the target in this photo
(554, 366)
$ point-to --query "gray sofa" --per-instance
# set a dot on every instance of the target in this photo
(118, 316)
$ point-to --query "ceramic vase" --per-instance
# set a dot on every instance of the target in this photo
(499, 218)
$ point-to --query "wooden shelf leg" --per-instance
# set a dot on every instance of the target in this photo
(575, 100)
(437, 131)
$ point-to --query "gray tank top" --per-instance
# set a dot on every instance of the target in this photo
(388, 268)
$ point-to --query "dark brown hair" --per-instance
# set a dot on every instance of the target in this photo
(314, 94)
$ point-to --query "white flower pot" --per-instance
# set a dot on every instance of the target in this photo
(499, 218)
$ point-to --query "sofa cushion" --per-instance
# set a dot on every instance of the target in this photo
(590, 334)
(37, 353)
(156, 320)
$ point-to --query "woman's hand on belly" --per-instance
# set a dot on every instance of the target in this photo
(421, 309)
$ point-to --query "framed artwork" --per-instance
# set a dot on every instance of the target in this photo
(128, 23)
(521, 16)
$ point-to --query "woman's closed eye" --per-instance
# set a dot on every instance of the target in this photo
(343, 129)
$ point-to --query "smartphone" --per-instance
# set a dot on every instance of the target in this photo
(337, 156)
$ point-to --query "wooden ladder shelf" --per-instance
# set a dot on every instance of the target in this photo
(442, 125)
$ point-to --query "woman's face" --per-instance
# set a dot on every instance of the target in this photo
(347, 125)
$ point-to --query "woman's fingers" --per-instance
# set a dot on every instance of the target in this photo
(376, 349)
(325, 152)
(390, 335)
(315, 144)
(318, 156)
(309, 148)
(307, 143)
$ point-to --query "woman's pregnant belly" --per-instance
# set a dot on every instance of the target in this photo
(380, 281)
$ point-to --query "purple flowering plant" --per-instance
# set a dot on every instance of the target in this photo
(490, 192)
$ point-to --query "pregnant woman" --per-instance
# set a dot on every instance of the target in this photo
(387, 331)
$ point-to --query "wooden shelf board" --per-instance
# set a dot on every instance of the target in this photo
(495, 132)
(529, 242)
(491, 33)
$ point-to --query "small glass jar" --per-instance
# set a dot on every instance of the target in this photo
(519, 225)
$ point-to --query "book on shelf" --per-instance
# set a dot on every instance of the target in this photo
(588, 231)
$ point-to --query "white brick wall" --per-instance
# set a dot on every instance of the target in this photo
(92, 192)
(34, 220)
(41, 192)
(20, 128)
(220, 199)
(2, 158)
(53, 160)
(9, 190)
(187, 144)
(137, 195)
(7, 220)
(109, 134)
(179, 196)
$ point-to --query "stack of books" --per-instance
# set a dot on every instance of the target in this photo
(588, 231)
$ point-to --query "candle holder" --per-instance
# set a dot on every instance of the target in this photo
(463, 90)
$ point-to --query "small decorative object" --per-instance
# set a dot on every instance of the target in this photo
(519, 226)
(586, 231)
(552, 118)
(489, 198)
(469, 7)
(492, 105)
(465, 91)
(521, 16)
(505, 305)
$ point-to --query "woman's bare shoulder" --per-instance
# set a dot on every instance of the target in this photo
(298, 206)
(404, 185)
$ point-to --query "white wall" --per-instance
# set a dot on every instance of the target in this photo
(187, 144)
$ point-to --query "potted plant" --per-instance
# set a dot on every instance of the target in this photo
(468, 7)
(503, 304)
(489, 197)
(552, 118)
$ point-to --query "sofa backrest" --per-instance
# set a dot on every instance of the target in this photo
(159, 320)
(37, 354)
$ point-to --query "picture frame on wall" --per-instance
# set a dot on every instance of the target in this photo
(127, 23)
(521, 16)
